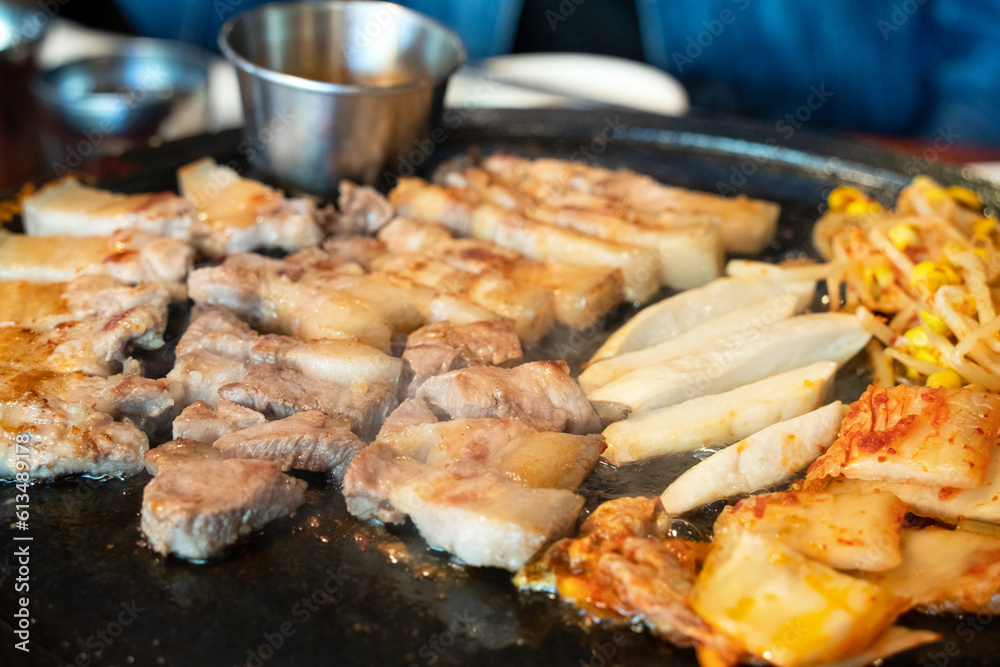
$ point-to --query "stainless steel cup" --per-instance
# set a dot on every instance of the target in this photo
(336, 90)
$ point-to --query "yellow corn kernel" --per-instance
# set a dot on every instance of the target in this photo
(948, 379)
(934, 323)
(930, 354)
(878, 275)
(903, 236)
(933, 275)
(964, 196)
(913, 373)
(862, 207)
(984, 226)
(840, 197)
(935, 194)
(982, 254)
(918, 337)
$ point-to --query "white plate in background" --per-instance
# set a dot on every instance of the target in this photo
(570, 80)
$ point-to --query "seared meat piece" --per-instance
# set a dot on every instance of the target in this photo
(278, 393)
(480, 516)
(360, 250)
(118, 396)
(410, 412)
(128, 255)
(745, 225)
(52, 438)
(95, 296)
(237, 214)
(530, 308)
(304, 441)
(180, 450)
(194, 509)
(541, 394)
(539, 459)
(344, 361)
(283, 297)
(441, 347)
(468, 215)
(581, 294)
(70, 208)
(198, 375)
(362, 211)
(219, 331)
(203, 423)
(96, 346)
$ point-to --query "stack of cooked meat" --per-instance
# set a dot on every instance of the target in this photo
(301, 363)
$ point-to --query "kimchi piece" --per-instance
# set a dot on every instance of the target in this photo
(915, 435)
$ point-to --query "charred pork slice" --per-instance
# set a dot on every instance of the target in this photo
(443, 346)
(95, 346)
(541, 394)
(304, 441)
(480, 516)
(581, 294)
(49, 437)
(84, 297)
(73, 209)
(279, 393)
(194, 509)
(179, 450)
(539, 459)
(202, 422)
(237, 214)
(130, 256)
(361, 210)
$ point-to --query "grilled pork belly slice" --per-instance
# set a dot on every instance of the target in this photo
(219, 331)
(754, 589)
(118, 396)
(64, 438)
(539, 459)
(745, 225)
(84, 297)
(581, 294)
(361, 210)
(205, 423)
(304, 441)
(279, 393)
(530, 308)
(95, 346)
(410, 412)
(128, 255)
(732, 361)
(199, 374)
(477, 514)
(462, 212)
(443, 346)
(719, 419)
(238, 214)
(281, 297)
(195, 509)
(690, 255)
(69, 208)
(847, 532)
(915, 435)
(179, 450)
(771, 456)
(541, 394)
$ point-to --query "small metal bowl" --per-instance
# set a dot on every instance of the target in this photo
(336, 90)
(145, 89)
